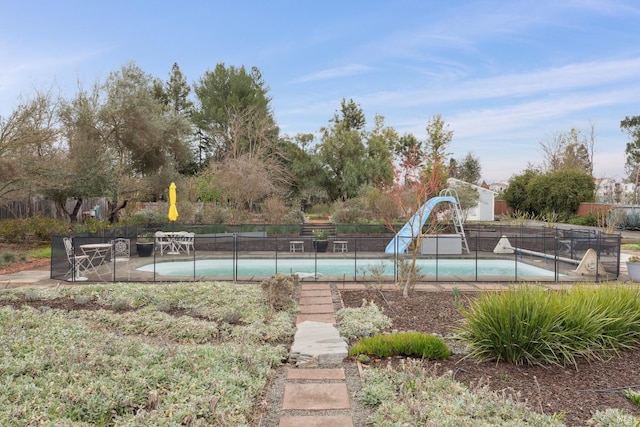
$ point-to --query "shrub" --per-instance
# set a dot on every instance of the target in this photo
(362, 321)
(533, 325)
(8, 257)
(43, 228)
(347, 215)
(589, 219)
(294, 216)
(147, 216)
(279, 291)
(208, 214)
(274, 209)
(402, 344)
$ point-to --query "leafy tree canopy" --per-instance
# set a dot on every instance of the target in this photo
(233, 111)
(558, 192)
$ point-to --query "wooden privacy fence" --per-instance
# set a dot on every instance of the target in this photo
(13, 209)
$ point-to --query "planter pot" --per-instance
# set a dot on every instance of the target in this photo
(144, 249)
(634, 271)
(320, 245)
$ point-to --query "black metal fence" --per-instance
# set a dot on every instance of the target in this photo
(496, 254)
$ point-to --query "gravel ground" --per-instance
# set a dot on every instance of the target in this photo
(272, 404)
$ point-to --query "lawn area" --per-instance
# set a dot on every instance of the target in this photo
(132, 354)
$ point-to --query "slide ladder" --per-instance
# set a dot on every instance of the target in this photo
(413, 227)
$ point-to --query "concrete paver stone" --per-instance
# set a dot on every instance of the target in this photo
(315, 396)
(316, 374)
(323, 286)
(327, 318)
(313, 293)
(316, 421)
(315, 300)
(316, 308)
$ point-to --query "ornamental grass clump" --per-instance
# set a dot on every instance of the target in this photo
(415, 344)
(533, 325)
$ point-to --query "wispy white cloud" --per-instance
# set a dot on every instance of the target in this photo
(21, 68)
(579, 76)
(336, 72)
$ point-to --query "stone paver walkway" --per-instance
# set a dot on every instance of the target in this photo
(315, 392)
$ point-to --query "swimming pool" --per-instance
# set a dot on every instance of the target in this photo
(350, 268)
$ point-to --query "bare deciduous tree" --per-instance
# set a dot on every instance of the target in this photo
(28, 150)
(569, 150)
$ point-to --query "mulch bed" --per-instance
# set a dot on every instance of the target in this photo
(576, 393)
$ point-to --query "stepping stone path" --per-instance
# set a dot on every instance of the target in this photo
(316, 387)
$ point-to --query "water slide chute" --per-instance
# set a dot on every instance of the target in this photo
(412, 229)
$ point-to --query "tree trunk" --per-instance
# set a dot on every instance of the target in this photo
(113, 214)
(73, 215)
(76, 209)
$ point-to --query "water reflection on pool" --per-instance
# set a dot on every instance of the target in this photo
(345, 267)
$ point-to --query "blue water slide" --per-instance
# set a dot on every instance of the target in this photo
(413, 227)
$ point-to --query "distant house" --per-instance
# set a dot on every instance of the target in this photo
(498, 187)
(484, 210)
(608, 190)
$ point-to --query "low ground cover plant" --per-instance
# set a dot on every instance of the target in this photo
(362, 321)
(411, 396)
(416, 344)
(532, 325)
(170, 358)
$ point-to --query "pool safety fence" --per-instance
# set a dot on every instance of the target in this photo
(244, 257)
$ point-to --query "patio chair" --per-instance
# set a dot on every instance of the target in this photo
(78, 264)
(185, 241)
(121, 249)
(163, 241)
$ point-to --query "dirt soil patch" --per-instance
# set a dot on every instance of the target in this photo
(576, 393)
(19, 250)
(30, 264)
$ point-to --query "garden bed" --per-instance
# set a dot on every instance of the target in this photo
(575, 392)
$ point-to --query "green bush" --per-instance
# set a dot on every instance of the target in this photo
(533, 325)
(37, 228)
(43, 228)
(8, 257)
(146, 216)
(416, 344)
(589, 220)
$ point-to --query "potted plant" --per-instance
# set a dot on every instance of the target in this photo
(320, 242)
(144, 244)
(633, 268)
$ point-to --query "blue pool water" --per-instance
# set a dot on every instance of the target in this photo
(344, 267)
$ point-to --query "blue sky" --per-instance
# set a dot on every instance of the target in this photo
(503, 74)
